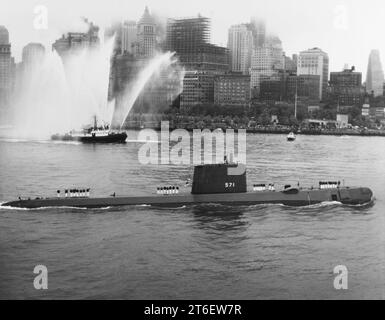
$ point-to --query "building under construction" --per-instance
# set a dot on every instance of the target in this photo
(190, 39)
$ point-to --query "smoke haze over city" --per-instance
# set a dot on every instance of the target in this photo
(347, 30)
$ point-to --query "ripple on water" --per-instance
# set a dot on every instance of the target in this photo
(215, 251)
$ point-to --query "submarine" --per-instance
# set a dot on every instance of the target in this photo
(223, 183)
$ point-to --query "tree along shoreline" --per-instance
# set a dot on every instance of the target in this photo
(274, 130)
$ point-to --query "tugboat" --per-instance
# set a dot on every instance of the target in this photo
(94, 134)
(291, 136)
(223, 183)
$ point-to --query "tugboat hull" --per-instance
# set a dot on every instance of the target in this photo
(119, 137)
(349, 196)
(111, 138)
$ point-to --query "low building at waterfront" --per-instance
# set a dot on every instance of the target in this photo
(346, 87)
(272, 89)
(342, 121)
(306, 86)
(320, 124)
(232, 89)
(380, 113)
(283, 86)
(365, 110)
(198, 89)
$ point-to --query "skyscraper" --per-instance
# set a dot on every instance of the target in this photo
(146, 35)
(315, 62)
(266, 62)
(32, 54)
(77, 40)
(258, 29)
(129, 37)
(240, 45)
(375, 74)
(6, 68)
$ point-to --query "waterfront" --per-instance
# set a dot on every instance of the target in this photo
(194, 252)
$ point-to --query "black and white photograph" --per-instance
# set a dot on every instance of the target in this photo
(203, 151)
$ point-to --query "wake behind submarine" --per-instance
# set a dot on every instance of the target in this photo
(223, 183)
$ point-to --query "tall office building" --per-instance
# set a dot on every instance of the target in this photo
(33, 53)
(315, 62)
(77, 40)
(128, 37)
(266, 62)
(146, 35)
(240, 45)
(258, 29)
(375, 74)
(7, 67)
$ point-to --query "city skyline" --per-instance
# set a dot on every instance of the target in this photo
(345, 30)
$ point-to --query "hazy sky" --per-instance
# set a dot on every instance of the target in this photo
(346, 29)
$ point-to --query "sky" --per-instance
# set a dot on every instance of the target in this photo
(346, 29)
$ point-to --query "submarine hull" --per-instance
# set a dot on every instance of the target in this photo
(350, 196)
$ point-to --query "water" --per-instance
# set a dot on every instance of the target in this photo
(267, 251)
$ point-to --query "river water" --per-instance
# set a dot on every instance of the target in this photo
(197, 252)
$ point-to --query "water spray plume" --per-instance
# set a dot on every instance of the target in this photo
(133, 90)
(57, 97)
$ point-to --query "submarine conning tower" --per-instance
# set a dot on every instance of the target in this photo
(219, 178)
